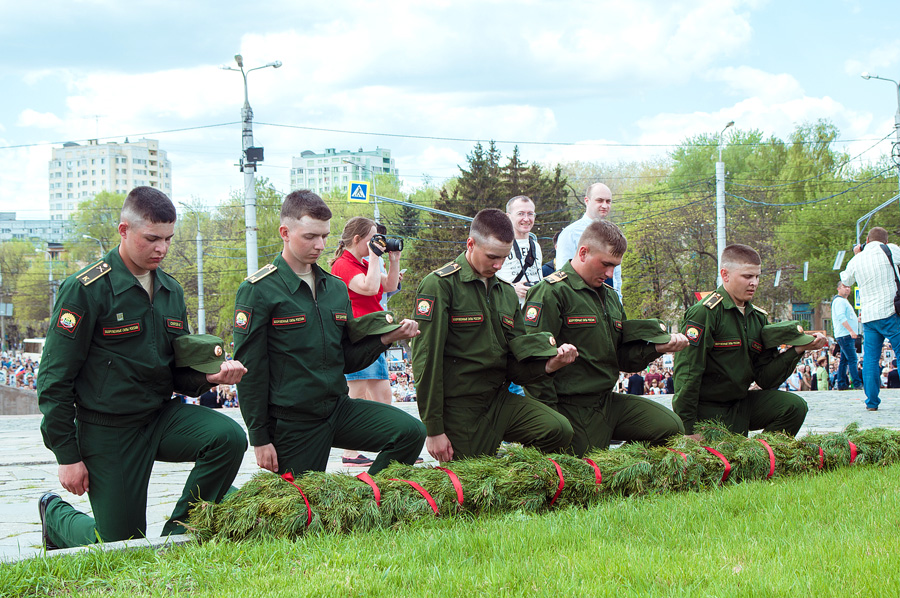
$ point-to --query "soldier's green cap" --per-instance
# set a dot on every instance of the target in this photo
(533, 345)
(202, 352)
(378, 322)
(785, 333)
(650, 330)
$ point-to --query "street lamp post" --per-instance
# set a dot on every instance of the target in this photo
(201, 308)
(249, 157)
(720, 207)
(50, 278)
(895, 150)
(102, 249)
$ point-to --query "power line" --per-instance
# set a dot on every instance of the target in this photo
(198, 127)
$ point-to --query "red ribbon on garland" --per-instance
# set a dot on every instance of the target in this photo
(562, 481)
(771, 458)
(852, 452)
(724, 460)
(683, 456)
(289, 478)
(821, 458)
(456, 485)
(422, 491)
(598, 477)
(365, 477)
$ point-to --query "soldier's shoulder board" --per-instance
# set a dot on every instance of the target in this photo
(712, 300)
(609, 286)
(448, 269)
(760, 310)
(93, 273)
(557, 276)
(261, 273)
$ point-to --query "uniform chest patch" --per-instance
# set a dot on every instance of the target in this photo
(693, 332)
(68, 321)
(172, 323)
(466, 319)
(756, 346)
(340, 316)
(124, 330)
(617, 324)
(424, 307)
(582, 320)
(508, 321)
(533, 313)
(729, 344)
(290, 320)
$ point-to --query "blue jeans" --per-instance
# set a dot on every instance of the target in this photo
(848, 361)
(873, 340)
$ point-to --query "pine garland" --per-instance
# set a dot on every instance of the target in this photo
(523, 479)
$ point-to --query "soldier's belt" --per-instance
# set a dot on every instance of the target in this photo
(291, 415)
(115, 420)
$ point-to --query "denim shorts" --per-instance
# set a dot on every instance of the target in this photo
(377, 371)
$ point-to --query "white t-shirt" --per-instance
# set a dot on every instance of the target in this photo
(514, 263)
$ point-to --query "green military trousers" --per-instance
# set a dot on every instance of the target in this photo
(354, 424)
(769, 410)
(477, 425)
(618, 417)
(119, 462)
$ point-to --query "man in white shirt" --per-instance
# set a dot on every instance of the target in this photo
(522, 267)
(846, 329)
(597, 201)
(871, 270)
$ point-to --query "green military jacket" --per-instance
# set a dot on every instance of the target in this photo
(724, 356)
(108, 357)
(296, 348)
(591, 319)
(464, 346)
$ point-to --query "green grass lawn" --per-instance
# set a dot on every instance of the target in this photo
(833, 534)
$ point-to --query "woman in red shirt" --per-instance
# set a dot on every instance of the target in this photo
(365, 283)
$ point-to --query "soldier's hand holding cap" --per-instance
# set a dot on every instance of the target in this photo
(408, 329)
(817, 344)
(230, 372)
(565, 354)
(676, 343)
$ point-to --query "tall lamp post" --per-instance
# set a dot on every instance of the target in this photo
(50, 278)
(895, 150)
(102, 248)
(201, 308)
(249, 157)
(720, 207)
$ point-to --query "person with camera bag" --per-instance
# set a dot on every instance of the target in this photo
(874, 270)
(357, 262)
(522, 268)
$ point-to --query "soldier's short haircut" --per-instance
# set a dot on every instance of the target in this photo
(877, 234)
(604, 236)
(147, 204)
(304, 202)
(491, 223)
(739, 255)
(513, 200)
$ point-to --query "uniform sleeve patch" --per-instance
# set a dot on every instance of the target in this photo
(68, 321)
(242, 317)
(533, 313)
(694, 333)
(424, 307)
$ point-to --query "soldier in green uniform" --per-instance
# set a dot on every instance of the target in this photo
(295, 330)
(726, 353)
(105, 388)
(472, 345)
(578, 307)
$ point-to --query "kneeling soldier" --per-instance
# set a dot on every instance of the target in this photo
(473, 344)
(293, 323)
(730, 347)
(578, 307)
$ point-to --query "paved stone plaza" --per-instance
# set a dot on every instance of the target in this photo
(27, 469)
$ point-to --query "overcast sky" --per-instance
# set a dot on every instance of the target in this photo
(621, 80)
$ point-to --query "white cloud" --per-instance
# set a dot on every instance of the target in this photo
(40, 120)
(884, 56)
(745, 80)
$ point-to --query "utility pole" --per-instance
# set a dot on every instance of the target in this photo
(720, 208)
(249, 157)
(201, 309)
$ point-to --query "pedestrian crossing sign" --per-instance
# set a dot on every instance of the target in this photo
(358, 191)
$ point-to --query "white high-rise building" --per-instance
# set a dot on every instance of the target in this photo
(322, 173)
(79, 172)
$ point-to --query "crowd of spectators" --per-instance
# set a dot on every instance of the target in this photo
(17, 371)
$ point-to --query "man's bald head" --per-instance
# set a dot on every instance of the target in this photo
(597, 201)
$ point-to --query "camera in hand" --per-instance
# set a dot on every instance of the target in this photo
(381, 244)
